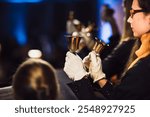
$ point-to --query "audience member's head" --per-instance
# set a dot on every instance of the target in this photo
(35, 79)
(107, 12)
(71, 15)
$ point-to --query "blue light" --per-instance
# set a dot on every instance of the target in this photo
(19, 29)
(23, 1)
(20, 35)
(106, 32)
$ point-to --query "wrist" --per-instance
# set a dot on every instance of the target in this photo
(102, 82)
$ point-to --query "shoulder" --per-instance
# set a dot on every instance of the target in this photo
(145, 61)
(142, 67)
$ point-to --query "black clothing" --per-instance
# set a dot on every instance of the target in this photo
(84, 89)
(113, 42)
(65, 92)
(115, 62)
(135, 84)
(82, 86)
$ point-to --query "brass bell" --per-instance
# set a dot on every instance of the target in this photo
(99, 45)
(73, 43)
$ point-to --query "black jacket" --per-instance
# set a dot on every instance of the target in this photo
(115, 63)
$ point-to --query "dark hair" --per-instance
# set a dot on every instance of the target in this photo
(109, 11)
(145, 5)
(35, 79)
(127, 4)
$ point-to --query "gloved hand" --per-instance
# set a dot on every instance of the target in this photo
(74, 67)
(86, 61)
(95, 67)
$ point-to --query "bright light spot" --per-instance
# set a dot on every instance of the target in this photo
(75, 34)
(87, 30)
(34, 53)
(88, 34)
(106, 32)
(76, 22)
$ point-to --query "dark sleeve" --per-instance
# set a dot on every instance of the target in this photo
(116, 61)
(113, 42)
(83, 89)
(107, 90)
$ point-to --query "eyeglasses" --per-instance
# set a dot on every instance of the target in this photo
(133, 12)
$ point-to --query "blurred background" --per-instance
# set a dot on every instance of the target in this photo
(27, 25)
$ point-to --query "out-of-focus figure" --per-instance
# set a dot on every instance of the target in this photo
(113, 33)
(70, 27)
(35, 79)
(119, 57)
(77, 28)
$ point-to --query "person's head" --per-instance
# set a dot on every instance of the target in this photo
(140, 17)
(71, 15)
(35, 79)
(107, 12)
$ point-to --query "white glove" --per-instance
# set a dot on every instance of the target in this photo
(74, 67)
(86, 61)
(95, 67)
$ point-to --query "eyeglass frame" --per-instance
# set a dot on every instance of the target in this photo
(133, 12)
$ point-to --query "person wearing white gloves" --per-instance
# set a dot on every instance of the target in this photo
(75, 68)
(135, 83)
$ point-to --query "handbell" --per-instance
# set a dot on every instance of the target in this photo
(73, 43)
(99, 46)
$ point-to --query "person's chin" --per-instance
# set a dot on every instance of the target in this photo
(136, 35)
